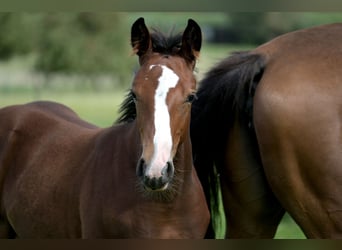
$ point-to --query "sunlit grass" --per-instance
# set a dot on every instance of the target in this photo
(288, 229)
(97, 107)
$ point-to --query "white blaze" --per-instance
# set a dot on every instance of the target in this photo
(162, 139)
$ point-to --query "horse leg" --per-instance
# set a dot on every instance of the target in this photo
(309, 187)
(250, 218)
(251, 209)
(6, 231)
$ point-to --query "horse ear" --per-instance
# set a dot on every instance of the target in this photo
(191, 41)
(140, 37)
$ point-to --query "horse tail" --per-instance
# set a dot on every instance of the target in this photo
(225, 94)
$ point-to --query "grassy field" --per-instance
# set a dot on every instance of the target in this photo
(101, 107)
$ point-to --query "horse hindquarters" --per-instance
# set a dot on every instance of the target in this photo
(300, 146)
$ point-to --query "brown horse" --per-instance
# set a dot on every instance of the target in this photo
(62, 177)
(270, 120)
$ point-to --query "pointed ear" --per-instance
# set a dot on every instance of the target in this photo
(140, 37)
(191, 41)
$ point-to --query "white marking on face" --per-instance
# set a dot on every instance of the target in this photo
(162, 139)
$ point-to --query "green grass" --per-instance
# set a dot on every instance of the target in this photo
(99, 108)
(288, 229)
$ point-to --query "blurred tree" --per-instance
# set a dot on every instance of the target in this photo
(6, 49)
(17, 34)
(87, 44)
(259, 27)
(249, 27)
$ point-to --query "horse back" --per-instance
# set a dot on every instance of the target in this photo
(37, 124)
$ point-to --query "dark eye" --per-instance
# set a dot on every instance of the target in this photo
(192, 97)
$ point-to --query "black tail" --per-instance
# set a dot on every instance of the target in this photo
(226, 93)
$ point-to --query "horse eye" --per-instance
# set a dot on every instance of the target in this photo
(191, 98)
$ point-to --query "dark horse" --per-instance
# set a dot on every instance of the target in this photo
(270, 120)
(63, 177)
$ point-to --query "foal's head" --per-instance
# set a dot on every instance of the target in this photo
(163, 90)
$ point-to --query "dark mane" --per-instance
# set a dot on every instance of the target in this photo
(225, 94)
(166, 45)
(127, 109)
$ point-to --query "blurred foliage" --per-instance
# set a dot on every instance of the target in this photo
(17, 34)
(88, 44)
(259, 27)
(94, 44)
(84, 43)
(253, 28)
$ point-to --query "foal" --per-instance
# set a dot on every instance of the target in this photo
(62, 177)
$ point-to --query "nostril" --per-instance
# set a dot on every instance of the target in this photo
(141, 168)
(168, 170)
